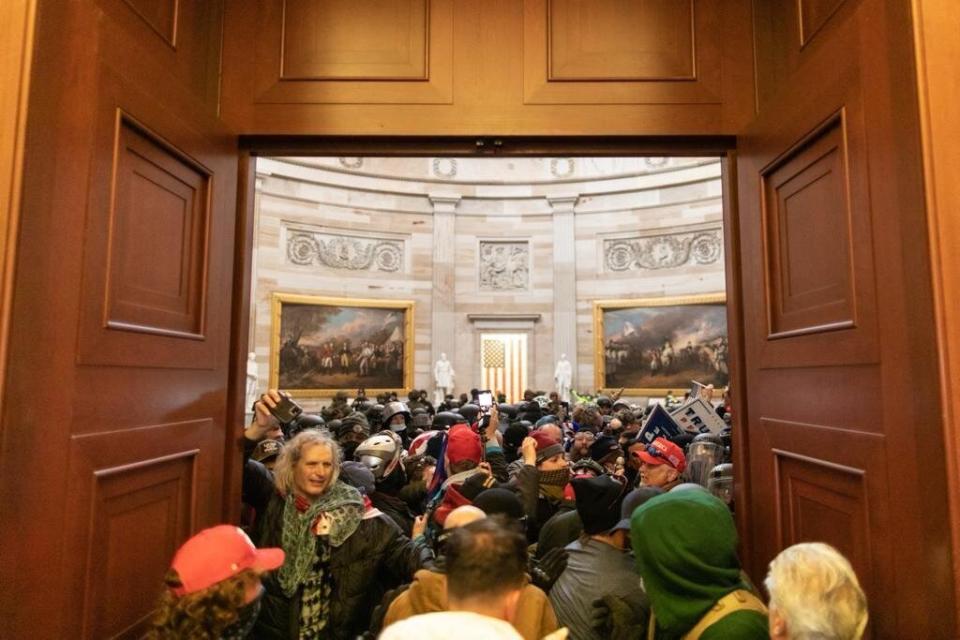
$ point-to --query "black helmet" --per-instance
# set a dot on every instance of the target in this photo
(305, 421)
(509, 410)
(470, 412)
(604, 402)
(446, 419)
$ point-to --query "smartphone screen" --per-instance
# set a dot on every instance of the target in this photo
(485, 399)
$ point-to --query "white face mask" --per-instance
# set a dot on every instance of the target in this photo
(398, 427)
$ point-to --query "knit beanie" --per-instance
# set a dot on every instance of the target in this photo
(603, 447)
(547, 447)
(496, 501)
(355, 422)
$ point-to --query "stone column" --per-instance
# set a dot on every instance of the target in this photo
(564, 282)
(443, 323)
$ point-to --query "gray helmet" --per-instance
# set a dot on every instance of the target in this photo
(392, 409)
(380, 453)
(703, 454)
(720, 482)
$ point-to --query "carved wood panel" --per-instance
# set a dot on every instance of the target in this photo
(158, 238)
(346, 40)
(621, 52)
(814, 14)
(311, 52)
(182, 35)
(807, 218)
(621, 40)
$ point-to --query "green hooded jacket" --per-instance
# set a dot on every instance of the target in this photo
(685, 544)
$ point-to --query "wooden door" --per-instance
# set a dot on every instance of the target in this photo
(842, 425)
(115, 400)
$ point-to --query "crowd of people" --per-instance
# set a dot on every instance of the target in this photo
(379, 518)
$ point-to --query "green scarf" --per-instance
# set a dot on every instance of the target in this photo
(686, 549)
(341, 504)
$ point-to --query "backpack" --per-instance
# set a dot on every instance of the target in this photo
(739, 600)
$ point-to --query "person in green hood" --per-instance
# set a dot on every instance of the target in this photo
(685, 545)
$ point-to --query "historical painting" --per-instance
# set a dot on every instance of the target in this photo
(324, 345)
(655, 345)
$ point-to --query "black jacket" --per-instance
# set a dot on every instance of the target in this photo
(377, 557)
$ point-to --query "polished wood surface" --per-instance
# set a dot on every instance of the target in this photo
(843, 422)
(498, 67)
(937, 49)
(114, 425)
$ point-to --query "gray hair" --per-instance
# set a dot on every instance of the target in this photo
(816, 592)
(292, 452)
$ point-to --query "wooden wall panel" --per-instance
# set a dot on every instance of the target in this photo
(333, 40)
(300, 52)
(620, 40)
(936, 25)
(524, 67)
(184, 36)
(116, 387)
(837, 306)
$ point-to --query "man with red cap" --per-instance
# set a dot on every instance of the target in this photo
(661, 463)
(213, 586)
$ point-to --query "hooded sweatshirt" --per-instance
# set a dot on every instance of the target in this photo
(685, 546)
(428, 593)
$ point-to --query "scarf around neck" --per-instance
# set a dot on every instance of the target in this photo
(342, 505)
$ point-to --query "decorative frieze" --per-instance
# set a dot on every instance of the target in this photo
(504, 266)
(562, 167)
(338, 251)
(665, 251)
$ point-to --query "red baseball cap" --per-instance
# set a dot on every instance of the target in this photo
(662, 451)
(217, 553)
(463, 443)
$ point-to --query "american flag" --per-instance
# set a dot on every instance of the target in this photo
(504, 364)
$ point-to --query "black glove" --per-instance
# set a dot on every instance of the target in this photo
(615, 619)
(545, 572)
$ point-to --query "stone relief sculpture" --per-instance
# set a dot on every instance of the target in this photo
(663, 251)
(504, 266)
(344, 252)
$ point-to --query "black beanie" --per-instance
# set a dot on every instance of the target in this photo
(499, 502)
(598, 502)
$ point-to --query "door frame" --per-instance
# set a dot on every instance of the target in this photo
(723, 147)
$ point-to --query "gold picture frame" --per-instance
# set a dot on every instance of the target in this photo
(648, 368)
(306, 329)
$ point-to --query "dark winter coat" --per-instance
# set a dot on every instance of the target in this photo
(377, 557)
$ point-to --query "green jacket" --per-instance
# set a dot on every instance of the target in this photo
(685, 546)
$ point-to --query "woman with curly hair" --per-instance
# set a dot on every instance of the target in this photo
(213, 587)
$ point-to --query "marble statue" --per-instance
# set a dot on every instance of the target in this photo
(563, 377)
(251, 379)
(443, 375)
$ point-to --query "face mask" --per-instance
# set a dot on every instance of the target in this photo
(398, 428)
(246, 618)
(557, 477)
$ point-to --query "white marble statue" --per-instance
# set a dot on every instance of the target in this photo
(251, 379)
(563, 377)
(443, 375)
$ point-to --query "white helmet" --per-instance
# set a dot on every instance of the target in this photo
(380, 453)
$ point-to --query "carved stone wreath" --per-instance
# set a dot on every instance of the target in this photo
(663, 252)
(344, 252)
(445, 167)
(351, 162)
(562, 167)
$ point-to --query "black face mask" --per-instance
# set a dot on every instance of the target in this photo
(246, 618)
